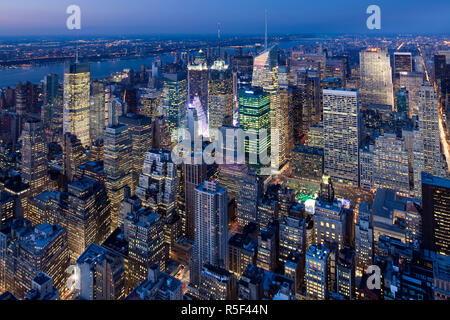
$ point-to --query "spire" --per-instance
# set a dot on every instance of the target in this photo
(265, 37)
(218, 37)
(76, 55)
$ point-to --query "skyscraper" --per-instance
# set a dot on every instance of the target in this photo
(220, 96)
(316, 272)
(363, 239)
(254, 118)
(375, 78)
(34, 156)
(88, 215)
(198, 80)
(436, 213)
(118, 165)
(76, 101)
(102, 274)
(194, 174)
(145, 234)
(251, 191)
(174, 97)
(402, 62)
(211, 228)
(341, 125)
(97, 111)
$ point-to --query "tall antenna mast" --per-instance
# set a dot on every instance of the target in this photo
(218, 37)
(265, 37)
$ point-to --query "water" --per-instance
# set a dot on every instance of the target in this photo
(34, 74)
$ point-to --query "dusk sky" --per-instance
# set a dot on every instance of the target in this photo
(48, 17)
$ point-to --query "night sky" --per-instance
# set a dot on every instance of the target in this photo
(42, 17)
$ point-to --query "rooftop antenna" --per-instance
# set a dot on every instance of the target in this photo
(76, 55)
(218, 37)
(265, 37)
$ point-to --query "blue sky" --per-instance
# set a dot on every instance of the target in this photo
(39, 17)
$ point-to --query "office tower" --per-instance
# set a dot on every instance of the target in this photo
(7, 207)
(198, 80)
(345, 273)
(308, 82)
(341, 127)
(145, 234)
(118, 165)
(307, 162)
(158, 286)
(316, 272)
(52, 100)
(194, 174)
(34, 156)
(42, 249)
(42, 288)
(242, 252)
(436, 213)
(161, 135)
(402, 62)
(73, 155)
(97, 111)
(390, 165)
(150, 102)
(412, 82)
(315, 136)
(429, 130)
(375, 78)
(197, 119)
(211, 228)
(217, 283)
(252, 190)
(102, 274)
(232, 176)
(329, 217)
(174, 97)
(130, 99)
(292, 237)
(88, 215)
(363, 240)
(440, 62)
(220, 96)
(265, 69)
(158, 182)
(76, 101)
(243, 67)
(254, 119)
(47, 206)
(266, 257)
(140, 129)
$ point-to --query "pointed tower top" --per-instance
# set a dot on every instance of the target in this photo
(265, 37)
(218, 37)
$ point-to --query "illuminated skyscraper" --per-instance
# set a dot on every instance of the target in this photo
(254, 119)
(265, 70)
(76, 101)
(73, 155)
(292, 237)
(194, 174)
(429, 130)
(211, 228)
(220, 96)
(316, 272)
(144, 232)
(174, 97)
(198, 80)
(42, 249)
(247, 201)
(34, 156)
(140, 129)
(363, 239)
(436, 213)
(412, 82)
(118, 165)
(97, 111)
(402, 62)
(88, 215)
(341, 127)
(375, 78)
